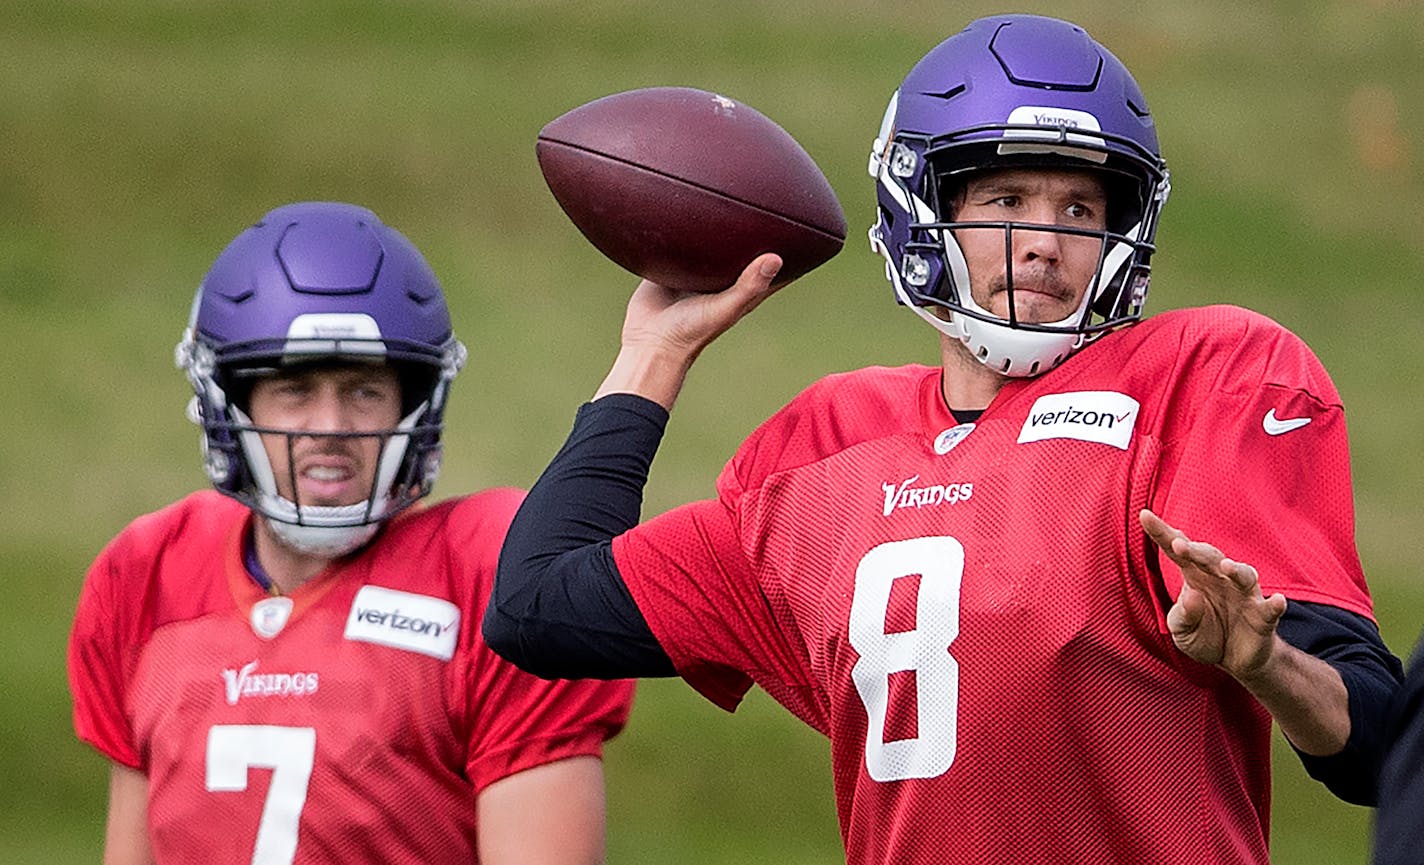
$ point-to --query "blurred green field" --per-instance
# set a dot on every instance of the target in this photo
(137, 137)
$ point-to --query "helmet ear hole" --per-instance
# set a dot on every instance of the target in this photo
(417, 383)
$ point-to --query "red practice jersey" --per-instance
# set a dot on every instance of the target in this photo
(354, 721)
(973, 613)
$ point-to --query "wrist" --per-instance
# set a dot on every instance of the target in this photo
(1261, 677)
(652, 372)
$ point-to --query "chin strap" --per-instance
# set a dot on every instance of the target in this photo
(328, 542)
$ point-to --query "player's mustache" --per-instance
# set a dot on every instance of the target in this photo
(306, 446)
(1041, 280)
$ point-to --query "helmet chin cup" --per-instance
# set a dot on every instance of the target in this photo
(1013, 352)
(327, 542)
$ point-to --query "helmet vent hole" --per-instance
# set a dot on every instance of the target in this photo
(953, 92)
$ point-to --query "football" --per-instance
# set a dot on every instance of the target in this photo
(685, 187)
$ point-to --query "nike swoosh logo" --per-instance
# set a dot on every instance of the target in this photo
(1274, 426)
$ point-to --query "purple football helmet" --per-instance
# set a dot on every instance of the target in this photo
(310, 282)
(1015, 91)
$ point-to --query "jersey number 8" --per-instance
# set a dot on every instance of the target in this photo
(939, 563)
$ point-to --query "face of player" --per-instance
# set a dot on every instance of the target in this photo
(328, 470)
(1051, 270)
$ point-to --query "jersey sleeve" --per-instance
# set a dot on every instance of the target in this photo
(686, 571)
(1259, 464)
(516, 720)
(97, 663)
(697, 573)
(521, 721)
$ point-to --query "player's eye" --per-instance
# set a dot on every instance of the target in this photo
(373, 392)
(290, 388)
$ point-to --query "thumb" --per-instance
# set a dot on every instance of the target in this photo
(757, 279)
(1184, 616)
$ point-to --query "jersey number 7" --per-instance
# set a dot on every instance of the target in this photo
(289, 752)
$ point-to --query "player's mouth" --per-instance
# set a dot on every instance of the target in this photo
(330, 483)
(1035, 304)
(1037, 298)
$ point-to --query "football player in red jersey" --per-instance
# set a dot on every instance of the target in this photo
(974, 577)
(293, 671)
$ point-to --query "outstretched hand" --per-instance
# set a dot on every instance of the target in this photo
(665, 330)
(1220, 617)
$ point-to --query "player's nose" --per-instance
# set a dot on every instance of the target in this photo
(327, 412)
(1031, 244)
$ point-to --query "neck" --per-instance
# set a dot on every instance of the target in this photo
(288, 569)
(967, 384)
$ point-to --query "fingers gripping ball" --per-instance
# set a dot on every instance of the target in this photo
(685, 187)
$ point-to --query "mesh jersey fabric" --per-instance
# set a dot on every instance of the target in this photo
(979, 625)
(377, 686)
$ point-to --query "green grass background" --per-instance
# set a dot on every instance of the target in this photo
(138, 136)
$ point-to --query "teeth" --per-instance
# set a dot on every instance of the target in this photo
(326, 473)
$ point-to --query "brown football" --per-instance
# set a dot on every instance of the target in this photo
(685, 187)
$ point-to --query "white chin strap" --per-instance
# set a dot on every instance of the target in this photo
(327, 542)
(325, 531)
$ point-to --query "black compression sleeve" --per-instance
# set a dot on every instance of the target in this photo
(560, 609)
(1352, 645)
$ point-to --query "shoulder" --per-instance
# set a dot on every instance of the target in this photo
(1215, 323)
(1221, 328)
(851, 406)
(451, 546)
(833, 414)
(458, 519)
(1223, 348)
(196, 524)
(870, 388)
(163, 566)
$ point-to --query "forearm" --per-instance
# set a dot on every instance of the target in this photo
(1306, 697)
(126, 830)
(1351, 644)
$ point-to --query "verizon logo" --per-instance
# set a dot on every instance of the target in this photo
(398, 621)
(1101, 416)
(1071, 415)
(404, 620)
